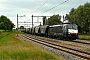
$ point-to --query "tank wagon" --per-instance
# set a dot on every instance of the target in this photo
(44, 30)
(66, 31)
(23, 30)
(37, 30)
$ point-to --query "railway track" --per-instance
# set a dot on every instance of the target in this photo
(88, 43)
(68, 44)
(75, 52)
(79, 43)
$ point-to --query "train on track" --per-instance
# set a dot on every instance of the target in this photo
(63, 31)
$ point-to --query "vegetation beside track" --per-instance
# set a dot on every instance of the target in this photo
(84, 37)
(13, 48)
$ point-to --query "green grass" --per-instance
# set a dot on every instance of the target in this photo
(18, 55)
(13, 48)
(3, 37)
(1, 31)
(84, 37)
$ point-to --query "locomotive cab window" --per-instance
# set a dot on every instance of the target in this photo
(72, 27)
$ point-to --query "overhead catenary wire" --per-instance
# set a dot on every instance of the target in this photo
(46, 10)
(54, 7)
(40, 6)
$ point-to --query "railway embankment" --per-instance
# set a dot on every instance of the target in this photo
(13, 48)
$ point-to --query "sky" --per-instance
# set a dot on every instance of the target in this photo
(11, 8)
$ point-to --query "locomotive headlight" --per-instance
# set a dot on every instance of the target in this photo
(72, 31)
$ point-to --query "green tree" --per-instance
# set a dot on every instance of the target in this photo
(2, 25)
(5, 23)
(21, 27)
(55, 19)
(87, 16)
(67, 17)
(81, 17)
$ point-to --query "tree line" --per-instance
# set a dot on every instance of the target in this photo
(5, 23)
(55, 19)
(79, 16)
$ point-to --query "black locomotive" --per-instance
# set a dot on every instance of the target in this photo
(67, 31)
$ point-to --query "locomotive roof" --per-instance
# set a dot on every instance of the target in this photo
(44, 26)
(61, 25)
(69, 24)
(55, 25)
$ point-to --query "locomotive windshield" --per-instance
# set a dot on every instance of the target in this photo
(72, 26)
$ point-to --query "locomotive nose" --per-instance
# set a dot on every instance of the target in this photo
(72, 33)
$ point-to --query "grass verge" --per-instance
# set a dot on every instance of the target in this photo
(84, 37)
(13, 48)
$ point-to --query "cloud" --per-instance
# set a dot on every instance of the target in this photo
(11, 8)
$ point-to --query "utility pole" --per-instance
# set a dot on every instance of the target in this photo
(17, 22)
(32, 24)
(38, 16)
(32, 20)
(63, 18)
